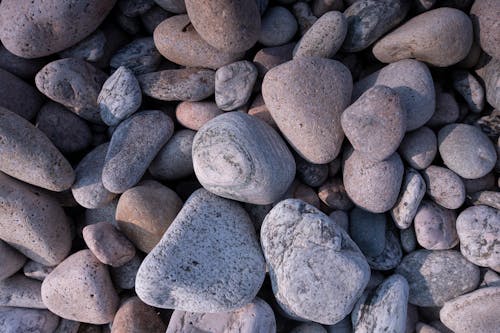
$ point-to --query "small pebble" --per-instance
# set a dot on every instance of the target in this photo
(408, 239)
(412, 192)
(37, 271)
(278, 26)
(140, 56)
(194, 115)
(11, 260)
(419, 148)
(435, 226)
(367, 230)
(234, 84)
(15, 320)
(134, 316)
(447, 109)
(444, 187)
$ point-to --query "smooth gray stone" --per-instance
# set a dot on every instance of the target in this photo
(124, 276)
(21, 320)
(90, 49)
(411, 194)
(304, 15)
(390, 257)
(234, 84)
(408, 239)
(140, 56)
(19, 291)
(419, 148)
(278, 26)
(18, 66)
(367, 230)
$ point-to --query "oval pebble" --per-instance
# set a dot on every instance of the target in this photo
(419, 148)
(412, 192)
(485, 15)
(367, 230)
(15, 320)
(140, 56)
(444, 187)
(240, 157)
(18, 96)
(135, 316)
(194, 115)
(435, 226)
(234, 84)
(11, 260)
(278, 26)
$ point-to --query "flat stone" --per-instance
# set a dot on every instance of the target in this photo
(234, 84)
(19, 291)
(367, 230)
(435, 226)
(419, 148)
(444, 187)
(89, 49)
(412, 192)
(485, 15)
(35, 270)
(15, 320)
(194, 115)
(11, 260)
(140, 56)
(18, 96)
(135, 316)
(278, 26)
(470, 89)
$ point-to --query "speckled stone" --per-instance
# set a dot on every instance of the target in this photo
(435, 277)
(227, 25)
(234, 84)
(435, 226)
(317, 272)
(90, 49)
(19, 291)
(367, 230)
(419, 148)
(478, 228)
(252, 163)
(18, 96)
(196, 269)
(187, 84)
(15, 320)
(124, 276)
(11, 260)
(308, 117)
(390, 256)
(140, 56)
(466, 150)
(373, 186)
(470, 89)
(488, 198)
(134, 316)
(278, 26)
(333, 194)
(412, 192)
(33, 29)
(79, 283)
(37, 271)
(33, 222)
(133, 146)
(194, 115)
(485, 15)
(444, 187)
(441, 37)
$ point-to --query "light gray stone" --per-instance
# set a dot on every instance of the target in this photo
(19, 291)
(435, 226)
(16, 320)
(411, 194)
(234, 84)
(444, 186)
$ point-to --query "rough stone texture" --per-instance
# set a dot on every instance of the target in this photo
(489, 71)
(376, 123)
(200, 269)
(367, 230)
(11, 260)
(435, 226)
(19, 291)
(124, 276)
(174, 160)
(390, 256)
(373, 186)
(133, 146)
(488, 198)
(89, 49)
(477, 311)
(18, 96)
(278, 26)
(384, 310)
(140, 56)
(317, 272)
(80, 289)
(240, 157)
(228, 25)
(306, 97)
(447, 109)
(419, 148)
(134, 316)
(485, 15)
(466, 150)
(412, 192)
(16, 320)
(28, 155)
(234, 84)
(470, 89)
(178, 41)
(37, 271)
(255, 317)
(441, 37)
(33, 222)
(435, 277)
(368, 20)
(444, 187)
(324, 38)
(187, 84)
(412, 80)
(173, 6)
(478, 228)
(145, 212)
(120, 96)
(333, 194)
(311, 174)
(33, 29)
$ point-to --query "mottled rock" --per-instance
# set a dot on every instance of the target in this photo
(390, 256)
(444, 187)
(19, 291)
(412, 192)
(18, 96)
(16, 320)
(435, 277)
(367, 230)
(140, 56)
(485, 15)
(234, 84)
(124, 276)
(470, 89)
(419, 148)
(435, 226)
(89, 49)
(333, 194)
(37, 271)
(11, 260)
(135, 316)
(196, 269)
(194, 115)
(278, 26)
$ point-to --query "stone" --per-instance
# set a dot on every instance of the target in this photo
(15, 320)
(412, 192)
(255, 317)
(89, 49)
(368, 20)
(488, 198)
(187, 84)
(33, 222)
(309, 118)
(311, 174)
(373, 186)
(194, 115)
(485, 15)
(124, 276)
(133, 8)
(140, 56)
(376, 123)
(486, 183)
(324, 38)
(73, 83)
(343, 326)
(473, 312)
(20, 67)
(120, 96)
(96, 215)
(135, 316)
(227, 25)
(269, 57)
(478, 228)
(367, 230)
(174, 160)
(173, 6)
(408, 239)
(303, 192)
(435, 226)
(234, 84)
(131, 25)
(385, 309)
(11, 260)
(321, 7)
(304, 15)
(390, 256)
(133, 146)
(317, 272)
(28, 155)
(18, 96)
(153, 18)
(310, 327)
(447, 110)
(33, 29)
(419, 148)
(253, 164)
(278, 26)
(198, 269)
(145, 212)
(441, 37)
(489, 71)
(333, 194)
(435, 277)
(341, 219)
(19, 291)
(444, 187)
(470, 89)
(36, 271)
(88, 189)
(178, 41)
(466, 150)
(81, 282)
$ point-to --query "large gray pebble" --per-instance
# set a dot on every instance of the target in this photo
(317, 272)
(134, 144)
(470, 89)
(390, 256)
(11, 260)
(412, 80)
(198, 269)
(278, 26)
(466, 150)
(140, 56)
(19, 291)
(120, 96)
(367, 230)
(234, 84)
(435, 226)
(16, 320)
(412, 192)
(18, 96)
(419, 148)
(444, 187)
(478, 228)
(240, 157)
(371, 185)
(90, 49)
(384, 310)
(435, 277)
